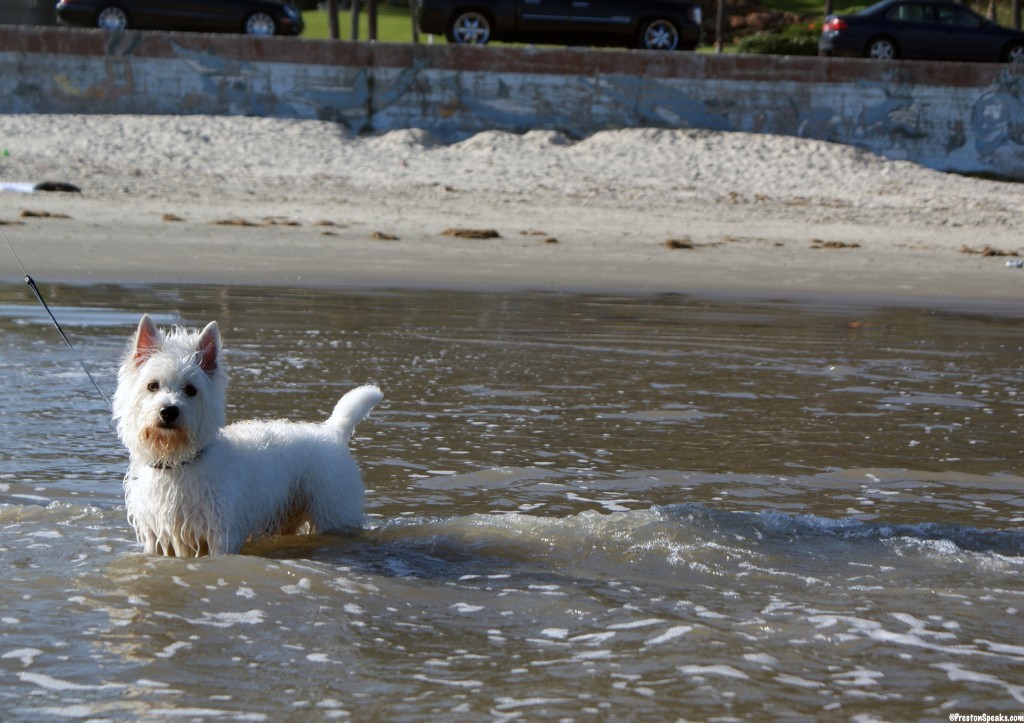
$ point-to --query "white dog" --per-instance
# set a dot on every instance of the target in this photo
(195, 487)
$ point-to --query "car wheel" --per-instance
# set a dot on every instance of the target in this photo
(260, 24)
(659, 34)
(1014, 54)
(111, 17)
(882, 49)
(469, 28)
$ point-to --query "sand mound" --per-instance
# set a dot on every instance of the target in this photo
(224, 156)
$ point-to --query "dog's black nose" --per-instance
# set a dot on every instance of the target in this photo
(169, 413)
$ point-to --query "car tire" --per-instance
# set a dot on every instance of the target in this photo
(1014, 53)
(259, 24)
(469, 27)
(882, 49)
(111, 17)
(658, 34)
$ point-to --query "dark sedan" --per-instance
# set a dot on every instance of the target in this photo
(920, 30)
(253, 17)
(650, 24)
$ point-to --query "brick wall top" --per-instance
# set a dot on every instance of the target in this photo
(547, 61)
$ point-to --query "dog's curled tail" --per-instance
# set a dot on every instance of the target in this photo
(352, 408)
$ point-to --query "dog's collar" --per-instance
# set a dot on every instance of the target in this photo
(176, 465)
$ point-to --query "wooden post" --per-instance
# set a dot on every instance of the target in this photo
(371, 15)
(332, 19)
(720, 26)
(416, 26)
(355, 19)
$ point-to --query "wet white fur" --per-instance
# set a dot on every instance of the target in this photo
(199, 487)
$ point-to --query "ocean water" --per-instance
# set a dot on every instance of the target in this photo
(581, 507)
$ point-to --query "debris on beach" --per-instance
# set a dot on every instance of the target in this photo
(232, 222)
(266, 221)
(686, 242)
(52, 186)
(548, 239)
(56, 187)
(42, 214)
(986, 250)
(817, 243)
(475, 233)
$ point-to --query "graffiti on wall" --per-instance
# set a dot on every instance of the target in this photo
(116, 79)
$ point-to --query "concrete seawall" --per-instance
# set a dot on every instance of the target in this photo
(959, 117)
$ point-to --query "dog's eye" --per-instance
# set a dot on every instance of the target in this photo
(153, 386)
(190, 391)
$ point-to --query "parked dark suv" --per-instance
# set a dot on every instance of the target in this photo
(650, 24)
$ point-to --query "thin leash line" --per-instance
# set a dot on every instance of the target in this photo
(39, 297)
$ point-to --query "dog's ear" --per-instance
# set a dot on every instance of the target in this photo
(147, 340)
(208, 347)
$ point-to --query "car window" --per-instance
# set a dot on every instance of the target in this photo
(875, 9)
(959, 17)
(911, 12)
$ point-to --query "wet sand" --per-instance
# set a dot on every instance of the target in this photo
(293, 203)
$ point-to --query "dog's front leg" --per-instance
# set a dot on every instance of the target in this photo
(148, 540)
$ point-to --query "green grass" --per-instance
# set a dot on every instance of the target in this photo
(393, 25)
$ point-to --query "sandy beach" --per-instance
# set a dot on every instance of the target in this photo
(290, 202)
